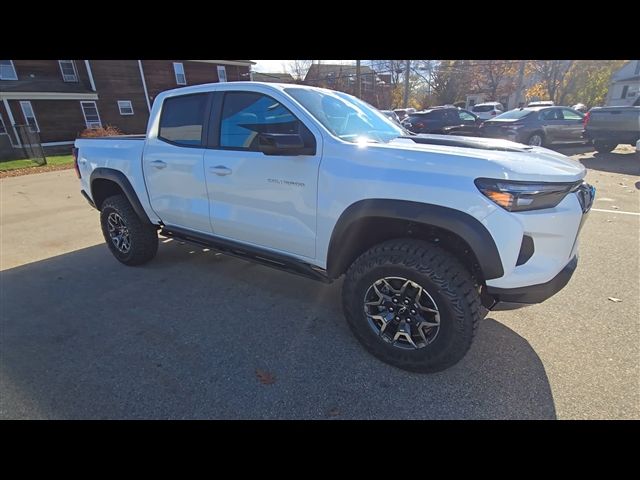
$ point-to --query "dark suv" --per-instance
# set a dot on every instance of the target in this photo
(538, 126)
(444, 120)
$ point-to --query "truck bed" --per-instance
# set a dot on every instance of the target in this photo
(118, 137)
(621, 124)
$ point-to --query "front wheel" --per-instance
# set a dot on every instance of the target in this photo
(130, 240)
(412, 305)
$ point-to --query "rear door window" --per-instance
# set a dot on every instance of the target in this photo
(570, 114)
(183, 118)
(466, 116)
(550, 115)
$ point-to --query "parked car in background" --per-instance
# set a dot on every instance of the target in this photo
(538, 126)
(401, 113)
(487, 110)
(543, 103)
(392, 115)
(608, 127)
(444, 120)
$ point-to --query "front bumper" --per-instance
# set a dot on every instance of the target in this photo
(511, 298)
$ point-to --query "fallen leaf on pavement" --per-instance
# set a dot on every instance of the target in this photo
(265, 377)
(614, 299)
(334, 412)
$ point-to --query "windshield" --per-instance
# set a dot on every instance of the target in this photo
(347, 117)
(513, 114)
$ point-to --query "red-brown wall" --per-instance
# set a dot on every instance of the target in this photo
(160, 76)
(49, 70)
(59, 120)
(120, 80)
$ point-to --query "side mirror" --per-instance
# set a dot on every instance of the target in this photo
(280, 143)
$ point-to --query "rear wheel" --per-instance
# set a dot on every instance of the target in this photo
(130, 240)
(603, 147)
(536, 139)
(412, 305)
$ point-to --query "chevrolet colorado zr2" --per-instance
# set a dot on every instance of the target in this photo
(429, 231)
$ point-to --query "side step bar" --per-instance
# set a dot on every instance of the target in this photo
(247, 252)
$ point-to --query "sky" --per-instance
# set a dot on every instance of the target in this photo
(277, 66)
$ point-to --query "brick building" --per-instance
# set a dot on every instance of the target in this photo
(60, 98)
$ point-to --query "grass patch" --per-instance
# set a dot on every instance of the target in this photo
(54, 160)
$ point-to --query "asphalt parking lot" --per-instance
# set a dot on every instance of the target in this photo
(195, 334)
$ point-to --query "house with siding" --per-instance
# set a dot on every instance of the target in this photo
(624, 89)
(61, 98)
(273, 77)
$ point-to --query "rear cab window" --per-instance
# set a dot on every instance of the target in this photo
(482, 108)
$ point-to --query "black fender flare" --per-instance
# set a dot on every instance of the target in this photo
(122, 181)
(462, 224)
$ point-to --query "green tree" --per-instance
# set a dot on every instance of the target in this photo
(553, 79)
(450, 81)
(589, 80)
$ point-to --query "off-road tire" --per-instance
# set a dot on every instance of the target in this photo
(143, 236)
(444, 278)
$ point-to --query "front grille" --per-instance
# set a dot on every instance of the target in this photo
(586, 193)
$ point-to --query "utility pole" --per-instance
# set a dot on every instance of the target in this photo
(407, 67)
(358, 83)
(520, 84)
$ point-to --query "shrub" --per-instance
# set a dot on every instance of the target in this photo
(108, 131)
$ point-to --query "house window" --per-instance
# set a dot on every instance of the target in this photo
(7, 70)
(178, 69)
(68, 69)
(125, 107)
(222, 73)
(625, 89)
(3, 129)
(29, 116)
(91, 115)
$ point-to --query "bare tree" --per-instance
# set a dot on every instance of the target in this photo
(552, 75)
(494, 77)
(394, 68)
(298, 69)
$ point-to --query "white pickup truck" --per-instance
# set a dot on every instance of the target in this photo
(430, 231)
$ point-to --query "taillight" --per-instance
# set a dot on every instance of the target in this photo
(585, 120)
(74, 153)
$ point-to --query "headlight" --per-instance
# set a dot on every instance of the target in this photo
(516, 196)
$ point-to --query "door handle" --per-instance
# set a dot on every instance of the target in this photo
(221, 170)
(158, 164)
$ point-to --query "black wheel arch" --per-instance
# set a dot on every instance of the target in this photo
(346, 242)
(108, 181)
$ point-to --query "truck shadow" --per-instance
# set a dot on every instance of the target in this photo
(194, 334)
(624, 162)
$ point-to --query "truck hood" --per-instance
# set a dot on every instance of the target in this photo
(495, 158)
